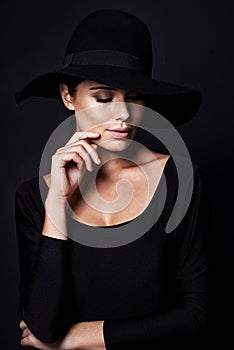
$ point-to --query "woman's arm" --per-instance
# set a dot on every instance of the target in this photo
(41, 298)
(83, 336)
(189, 317)
(45, 291)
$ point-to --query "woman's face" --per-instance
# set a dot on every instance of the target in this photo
(101, 114)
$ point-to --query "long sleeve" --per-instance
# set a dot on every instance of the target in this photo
(189, 317)
(44, 271)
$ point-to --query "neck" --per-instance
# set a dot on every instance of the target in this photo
(114, 162)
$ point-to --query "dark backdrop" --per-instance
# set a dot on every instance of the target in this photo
(192, 46)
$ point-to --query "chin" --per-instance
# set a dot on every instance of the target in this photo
(115, 145)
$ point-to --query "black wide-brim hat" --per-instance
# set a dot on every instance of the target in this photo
(114, 48)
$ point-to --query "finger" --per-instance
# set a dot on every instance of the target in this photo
(85, 156)
(25, 333)
(81, 152)
(78, 157)
(22, 325)
(65, 158)
(89, 135)
(81, 135)
(31, 340)
(24, 342)
(27, 341)
(90, 148)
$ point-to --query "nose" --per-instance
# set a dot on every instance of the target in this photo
(121, 111)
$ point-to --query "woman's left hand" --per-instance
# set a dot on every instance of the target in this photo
(82, 335)
(29, 339)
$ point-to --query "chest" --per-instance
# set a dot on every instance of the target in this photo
(107, 203)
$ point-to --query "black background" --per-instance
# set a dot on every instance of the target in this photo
(192, 42)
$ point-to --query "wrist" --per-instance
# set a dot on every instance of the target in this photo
(55, 224)
(85, 335)
(54, 196)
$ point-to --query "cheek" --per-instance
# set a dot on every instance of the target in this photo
(91, 124)
(87, 123)
(99, 130)
(93, 119)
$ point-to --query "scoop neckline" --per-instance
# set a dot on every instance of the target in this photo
(140, 215)
(165, 169)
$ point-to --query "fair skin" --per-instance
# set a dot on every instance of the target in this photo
(94, 144)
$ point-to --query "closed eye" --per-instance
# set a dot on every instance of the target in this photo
(103, 100)
(106, 100)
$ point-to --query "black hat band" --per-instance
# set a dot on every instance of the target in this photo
(106, 58)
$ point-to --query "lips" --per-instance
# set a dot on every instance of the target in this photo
(121, 129)
(120, 132)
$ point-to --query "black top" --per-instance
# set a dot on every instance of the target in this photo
(149, 290)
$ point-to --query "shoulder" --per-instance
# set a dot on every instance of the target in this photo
(162, 157)
(29, 193)
(176, 161)
(181, 173)
(27, 187)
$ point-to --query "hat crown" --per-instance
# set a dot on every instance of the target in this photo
(113, 30)
(114, 47)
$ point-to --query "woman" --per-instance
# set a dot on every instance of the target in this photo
(134, 295)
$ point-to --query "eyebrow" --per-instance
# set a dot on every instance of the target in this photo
(102, 87)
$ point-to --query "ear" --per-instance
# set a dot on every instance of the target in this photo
(66, 97)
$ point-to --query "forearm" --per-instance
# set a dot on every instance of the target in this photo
(85, 335)
(45, 272)
(43, 290)
(55, 217)
(188, 319)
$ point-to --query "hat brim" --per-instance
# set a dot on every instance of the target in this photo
(178, 104)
